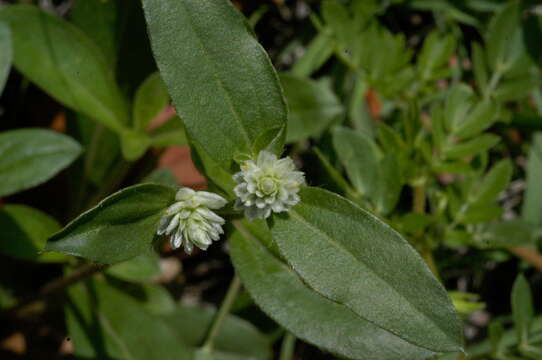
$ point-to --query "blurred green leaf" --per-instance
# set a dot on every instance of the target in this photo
(470, 147)
(532, 201)
(473, 214)
(120, 227)
(517, 88)
(101, 21)
(317, 52)
(481, 117)
(496, 332)
(507, 234)
(389, 184)
(312, 107)
(5, 55)
(458, 103)
(237, 339)
(435, 54)
(161, 176)
(360, 156)
(493, 183)
(25, 231)
(329, 242)
(169, 134)
(106, 323)
(225, 88)
(309, 315)
(479, 67)
(143, 267)
(29, 157)
(522, 308)
(134, 144)
(150, 99)
(61, 60)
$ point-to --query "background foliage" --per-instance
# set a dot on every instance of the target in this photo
(416, 122)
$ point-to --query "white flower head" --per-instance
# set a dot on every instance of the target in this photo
(190, 221)
(267, 185)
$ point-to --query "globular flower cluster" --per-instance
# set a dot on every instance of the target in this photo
(190, 221)
(267, 185)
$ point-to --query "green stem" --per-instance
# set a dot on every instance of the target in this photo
(495, 78)
(287, 347)
(225, 307)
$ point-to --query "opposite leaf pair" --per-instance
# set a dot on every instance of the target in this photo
(266, 185)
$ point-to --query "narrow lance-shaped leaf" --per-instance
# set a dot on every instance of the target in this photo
(60, 59)
(119, 228)
(532, 202)
(356, 260)
(29, 157)
(281, 294)
(5, 54)
(522, 308)
(492, 184)
(150, 99)
(220, 79)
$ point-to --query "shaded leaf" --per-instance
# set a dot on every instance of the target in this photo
(61, 60)
(493, 183)
(29, 157)
(150, 99)
(120, 227)
(522, 308)
(5, 54)
(532, 201)
(470, 147)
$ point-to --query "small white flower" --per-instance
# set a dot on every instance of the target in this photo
(190, 221)
(267, 185)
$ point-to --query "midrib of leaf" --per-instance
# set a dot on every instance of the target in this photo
(344, 250)
(216, 76)
(116, 337)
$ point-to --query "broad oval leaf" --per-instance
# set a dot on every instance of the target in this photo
(119, 228)
(29, 157)
(281, 294)
(61, 60)
(354, 259)
(5, 54)
(25, 231)
(220, 79)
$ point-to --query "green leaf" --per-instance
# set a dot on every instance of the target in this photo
(134, 144)
(359, 155)
(237, 339)
(389, 184)
(522, 308)
(168, 134)
(120, 227)
(508, 234)
(532, 201)
(517, 88)
(25, 231)
(479, 67)
(106, 323)
(470, 147)
(482, 116)
(493, 183)
(150, 99)
(29, 157)
(5, 55)
(316, 54)
(354, 259)
(312, 107)
(283, 295)
(162, 176)
(474, 214)
(458, 103)
(61, 60)
(435, 53)
(101, 21)
(504, 37)
(224, 88)
(143, 267)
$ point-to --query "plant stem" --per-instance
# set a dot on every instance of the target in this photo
(287, 347)
(225, 307)
(57, 285)
(531, 256)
